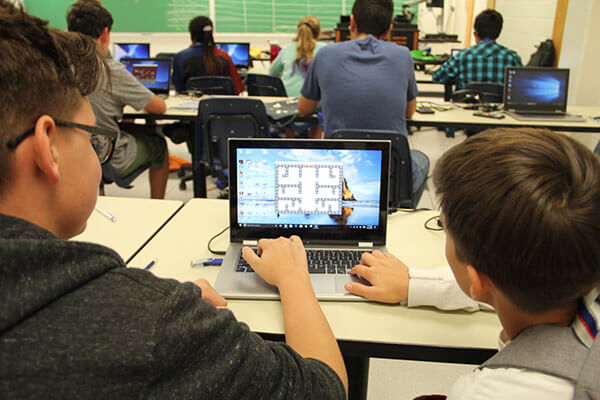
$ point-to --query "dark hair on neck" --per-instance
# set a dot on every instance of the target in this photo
(523, 207)
(488, 24)
(201, 31)
(43, 71)
(89, 18)
(373, 16)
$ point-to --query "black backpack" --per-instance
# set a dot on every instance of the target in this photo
(544, 55)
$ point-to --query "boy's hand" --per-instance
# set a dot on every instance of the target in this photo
(210, 294)
(387, 275)
(280, 260)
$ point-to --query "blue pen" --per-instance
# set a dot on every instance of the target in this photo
(203, 262)
(150, 265)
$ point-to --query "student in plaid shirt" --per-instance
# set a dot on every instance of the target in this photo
(483, 62)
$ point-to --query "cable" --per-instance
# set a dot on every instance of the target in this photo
(438, 224)
(392, 210)
(213, 238)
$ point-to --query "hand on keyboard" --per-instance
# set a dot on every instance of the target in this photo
(279, 259)
(387, 275)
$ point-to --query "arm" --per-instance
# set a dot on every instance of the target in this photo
(447, 73)
(156, 105)
(411, 107)
(306, 106)
(276, 67)
(238, 85)
(283, 264)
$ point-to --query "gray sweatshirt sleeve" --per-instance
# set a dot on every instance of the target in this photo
(204, 352)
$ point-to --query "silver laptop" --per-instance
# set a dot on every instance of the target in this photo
(537, 94)
(331, 193)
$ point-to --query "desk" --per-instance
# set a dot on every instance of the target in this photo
(137, 220)
(363, 329)
(459, 118)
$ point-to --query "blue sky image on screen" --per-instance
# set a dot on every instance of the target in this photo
(538, 87)
(162, 73)
(257, 185)
(131, 50)
(237, 51)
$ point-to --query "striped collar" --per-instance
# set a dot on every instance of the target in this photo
(587, 321)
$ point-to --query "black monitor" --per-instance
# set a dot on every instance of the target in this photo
(131, 50)
(153, 73)
(239, 53)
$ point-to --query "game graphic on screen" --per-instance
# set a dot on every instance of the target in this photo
(152, 73)
(131, 50)
(239, 52)
(537, 87)
(308, 188)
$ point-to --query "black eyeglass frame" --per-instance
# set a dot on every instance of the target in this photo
(94, 130)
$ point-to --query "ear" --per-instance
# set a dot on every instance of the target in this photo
(353, 28)
(480, 283)
(386, 35)
(45, 150)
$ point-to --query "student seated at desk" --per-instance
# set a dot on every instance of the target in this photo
(75, 323)
(521, 211)
(202, 58)
(140, 145)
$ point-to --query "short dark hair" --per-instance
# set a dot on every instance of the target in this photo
(488, 24)
(523, 207)
(42, 71)
(373, 16)
(88, 18)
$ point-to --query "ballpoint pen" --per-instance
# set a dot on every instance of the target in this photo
(106, 214)
(150, 264)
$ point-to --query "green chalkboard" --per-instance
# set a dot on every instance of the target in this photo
(129, 15)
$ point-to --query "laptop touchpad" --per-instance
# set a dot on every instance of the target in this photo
(323, 284)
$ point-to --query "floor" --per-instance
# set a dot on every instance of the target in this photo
(388, 379)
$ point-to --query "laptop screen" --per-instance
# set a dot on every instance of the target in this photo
(536, 89)
(153, 73)
(131, 50)
(455, 52)
(318, 189)
(239, 53)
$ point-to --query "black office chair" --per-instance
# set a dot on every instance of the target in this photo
(265, 85)
(480, 92)
(210, 85)
(109, 176)
(401, 184)
(219, 119)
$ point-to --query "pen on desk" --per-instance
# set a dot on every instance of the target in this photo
(150, 264)
(203, 262)
(106, 214)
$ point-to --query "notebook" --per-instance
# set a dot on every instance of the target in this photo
(331, 193)
(537, 94)
(153, 73)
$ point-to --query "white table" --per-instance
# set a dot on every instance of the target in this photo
(136, 221)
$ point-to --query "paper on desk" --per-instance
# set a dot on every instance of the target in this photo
(189, 105)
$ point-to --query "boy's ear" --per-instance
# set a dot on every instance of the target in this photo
(352, 24)
(45, 150)
(480, 283)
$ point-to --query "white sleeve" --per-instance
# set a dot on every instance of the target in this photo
(510, 383)
(438, 288)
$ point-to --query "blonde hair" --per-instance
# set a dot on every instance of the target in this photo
(309, 29)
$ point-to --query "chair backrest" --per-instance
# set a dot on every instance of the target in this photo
(210, 84)
(400, 193)
(221, 118)
(265, 85)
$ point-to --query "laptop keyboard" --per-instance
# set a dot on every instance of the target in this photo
(322, 261)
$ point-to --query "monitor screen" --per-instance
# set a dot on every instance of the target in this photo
(131, 50)
(455, 52)
(543, 89)
(239, 53)
(153, 73)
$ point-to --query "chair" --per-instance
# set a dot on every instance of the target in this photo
(481, 92)
(210, 84)
(265, 85)
(401, 194)
(219, 119)
(109, 176)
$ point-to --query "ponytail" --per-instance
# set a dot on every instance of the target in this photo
(309, 29)
(208, 45)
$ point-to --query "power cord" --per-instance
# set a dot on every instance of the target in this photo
(392, 210)
(213, 238)
(429, 224)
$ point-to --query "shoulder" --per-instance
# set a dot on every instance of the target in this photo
(510, 383)
(222, 53)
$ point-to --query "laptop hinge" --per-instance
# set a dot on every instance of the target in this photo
(365, 244)
(250, 242)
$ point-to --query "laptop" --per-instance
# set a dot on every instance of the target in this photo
(239, 53)
(153, 73)
(131, 50)
(455, 52)
(331, 193)
(537, 94)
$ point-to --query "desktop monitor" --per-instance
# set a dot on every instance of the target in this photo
(153, 73)
(529, 89)
(455, 52)
(131, 50)
(239, 53)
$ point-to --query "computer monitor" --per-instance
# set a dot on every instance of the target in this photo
(536, 90)
(455, 52)
(153, 73)
(239, 53)
(131, 50)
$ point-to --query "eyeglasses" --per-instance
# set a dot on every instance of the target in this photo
(103, 139)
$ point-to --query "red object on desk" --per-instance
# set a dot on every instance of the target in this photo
(274, 50)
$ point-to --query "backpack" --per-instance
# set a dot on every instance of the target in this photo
(543, 56)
